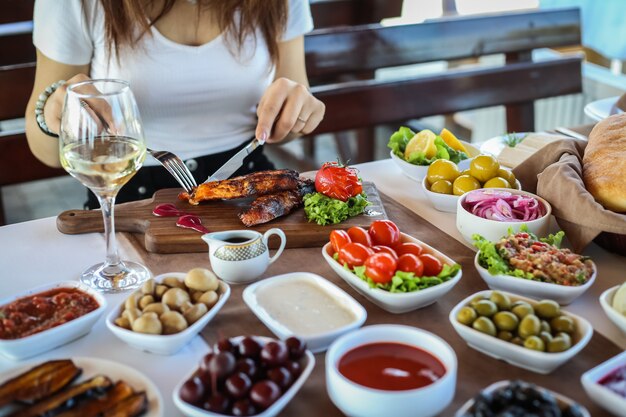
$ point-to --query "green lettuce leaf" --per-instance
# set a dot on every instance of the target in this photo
(324, 210)
(399, 139)
(554, 239)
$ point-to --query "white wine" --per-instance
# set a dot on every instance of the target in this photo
(105, 164)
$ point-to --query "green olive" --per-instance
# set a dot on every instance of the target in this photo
(521, 309)
(484, 167)
(466, 316)
(476, 299)
(501, 300)
(546, 337)
(508, 175)
(505, 335)
(484, 325)
(559, 344)
(497, 182)
(545, 327)
(486, 308)
(441, 187)
(547, 309)
(562, 324)
(535, 343)
(442, 169)
(464, 183)
(505, 320)
(517, 341)
(529, 326)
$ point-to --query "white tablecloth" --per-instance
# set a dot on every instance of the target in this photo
(35, 253)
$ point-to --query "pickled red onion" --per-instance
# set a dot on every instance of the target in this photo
(503, 206)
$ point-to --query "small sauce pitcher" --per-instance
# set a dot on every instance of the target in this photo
(241, 256)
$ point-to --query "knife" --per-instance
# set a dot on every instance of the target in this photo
(234, 163)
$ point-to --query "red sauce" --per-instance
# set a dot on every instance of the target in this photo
(167, 210)
(391, 366)
(39, 312)
(616, 381)
(189, 221)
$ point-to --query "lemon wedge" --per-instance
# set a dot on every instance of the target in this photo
(619, 299)
(451, 140)
(424, 142)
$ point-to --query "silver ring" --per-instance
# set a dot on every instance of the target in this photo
(301, 119)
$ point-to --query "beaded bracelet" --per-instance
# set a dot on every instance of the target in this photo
(41, 102)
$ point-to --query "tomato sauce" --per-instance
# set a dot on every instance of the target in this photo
(39, 312)
(391, 366)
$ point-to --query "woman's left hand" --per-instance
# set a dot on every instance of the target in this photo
(287, 107)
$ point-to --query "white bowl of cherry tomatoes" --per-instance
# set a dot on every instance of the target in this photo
(392, 269)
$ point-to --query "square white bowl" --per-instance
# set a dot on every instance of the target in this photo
(606, 301)
(469, 224)
(540, 362)
(275, 409)
(397, 302)
(561, 399)
(601, 395)
(317, 342)
(171, 343)
(562, 294)
(26, 347)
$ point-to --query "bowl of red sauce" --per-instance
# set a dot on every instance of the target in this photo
(391, 370)
(606, 384)
(41, 319)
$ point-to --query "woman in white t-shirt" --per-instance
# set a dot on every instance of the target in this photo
(208, 75)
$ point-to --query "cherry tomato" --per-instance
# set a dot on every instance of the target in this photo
(432, 265)
(385, 233)
(408, 247)
(385, 249)
(338, 239)
(360, 235)
(411, 263)
(337, 181)
(354, 254)
(380, 267)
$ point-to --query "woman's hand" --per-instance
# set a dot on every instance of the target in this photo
(287, 107)
(54, 104)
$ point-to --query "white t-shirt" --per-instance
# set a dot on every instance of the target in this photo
(193, 100)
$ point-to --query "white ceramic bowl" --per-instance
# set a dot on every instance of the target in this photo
(26, 347)
(357, 400)
(562, 400)
(418, 172)
(396, 302)
(601, 395)
(606, 301)
(315, 342)
(192, 411)
(171, 343)
(562, 294)
(469, 224)
(540, 362)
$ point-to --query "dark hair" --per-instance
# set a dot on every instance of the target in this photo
(237, 19)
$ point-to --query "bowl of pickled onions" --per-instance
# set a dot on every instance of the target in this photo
(491, 212)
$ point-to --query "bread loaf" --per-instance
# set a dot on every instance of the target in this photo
(604, 163)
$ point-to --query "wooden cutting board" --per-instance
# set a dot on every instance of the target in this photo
(161, 235)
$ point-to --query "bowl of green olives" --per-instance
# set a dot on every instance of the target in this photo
(534, 335)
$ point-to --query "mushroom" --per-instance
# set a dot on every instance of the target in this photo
(194, 313)
(148, 287)
(148, 323)
(186, 306)
(123, 322)
(174, 298)
(201, 279)
(131, 314)
(132, 300)
(174, 282)
(145, 301)
(158, 308)
(173, 322)
(209, 298)
(160, 290)
(195, 295)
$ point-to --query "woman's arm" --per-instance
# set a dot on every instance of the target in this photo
(44, 147)
(287, 107)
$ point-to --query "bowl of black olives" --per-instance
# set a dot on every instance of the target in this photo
(520, 399)
(245, 376)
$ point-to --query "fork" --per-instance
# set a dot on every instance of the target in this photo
(176, 167)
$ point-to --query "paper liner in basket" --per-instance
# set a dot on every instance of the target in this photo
(555, 174)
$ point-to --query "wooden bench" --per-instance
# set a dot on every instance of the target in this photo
(517, 84)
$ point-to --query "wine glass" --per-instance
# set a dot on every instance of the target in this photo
(102, 145)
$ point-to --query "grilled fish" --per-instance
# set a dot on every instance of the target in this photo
(258, 183)
(268, 207)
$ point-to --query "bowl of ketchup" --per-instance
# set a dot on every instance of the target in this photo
(391, 370)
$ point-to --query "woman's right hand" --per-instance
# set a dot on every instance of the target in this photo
(54, 105)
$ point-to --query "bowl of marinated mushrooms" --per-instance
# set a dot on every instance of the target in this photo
(169, 310)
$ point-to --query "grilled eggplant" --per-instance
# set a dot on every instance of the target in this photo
(39, 382)
(94, 407)
(132, 406)
(66, 398)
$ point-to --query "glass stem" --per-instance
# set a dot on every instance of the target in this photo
(107, 203)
